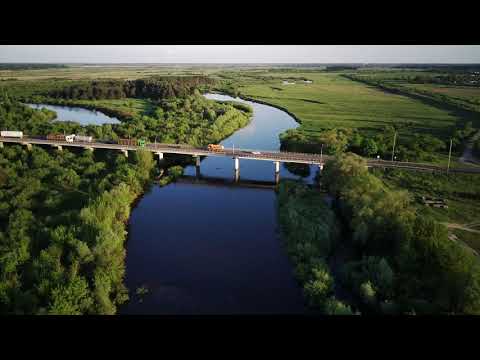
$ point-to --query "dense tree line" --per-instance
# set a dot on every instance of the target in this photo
(311, 231)
(192, 120)
(63, 216)
(403, 261)
(30, 66)
(152, 88)
(62, 229)
(408, 146)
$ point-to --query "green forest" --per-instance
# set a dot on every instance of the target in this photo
(396, 258)
(186, 117)
(415, 147)
(62, 228)
(63, 214)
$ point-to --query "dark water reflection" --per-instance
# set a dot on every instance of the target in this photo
(214, 248)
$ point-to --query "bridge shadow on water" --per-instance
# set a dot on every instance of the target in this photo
(223, 182)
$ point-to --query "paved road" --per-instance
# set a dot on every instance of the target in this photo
(281, 156)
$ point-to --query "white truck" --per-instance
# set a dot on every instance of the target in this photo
(81, 138)
(12, 134)
(70, 138)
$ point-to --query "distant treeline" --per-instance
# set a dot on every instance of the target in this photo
(153, 88)
(30, 66)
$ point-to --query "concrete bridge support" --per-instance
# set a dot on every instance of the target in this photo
(160, 156)
(236, 164)
(59, 147)
(277, 167)
(197, 161)
(125, 152)
(277, 178)
(1, 145)
(28, 145)
(89, 148)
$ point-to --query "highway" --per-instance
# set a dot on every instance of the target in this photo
(275, 156)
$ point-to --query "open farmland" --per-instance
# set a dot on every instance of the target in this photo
(464, 95)
(96, 72)
(333, 101)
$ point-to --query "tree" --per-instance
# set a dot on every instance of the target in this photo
(72, 298)
(144, 164)
(367, 292)
(336, 307)
(369, 147)
(321, 285)
(335, 141)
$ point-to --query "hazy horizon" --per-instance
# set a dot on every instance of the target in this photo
(240, 54)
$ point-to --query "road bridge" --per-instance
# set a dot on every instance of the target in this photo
(276, 157)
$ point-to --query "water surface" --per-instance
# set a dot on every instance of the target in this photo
(80, 115)
(215, 249)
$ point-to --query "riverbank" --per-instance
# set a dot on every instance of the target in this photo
(229, 259)
(120, 115)
(258, 101)
(311, 231)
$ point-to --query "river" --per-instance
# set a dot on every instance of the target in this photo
(211, 247)
(214, 248)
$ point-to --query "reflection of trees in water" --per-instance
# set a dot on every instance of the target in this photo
(298, 169)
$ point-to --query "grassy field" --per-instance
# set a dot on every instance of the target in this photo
(130, 106)
(466, 95)
(333, 101)
(97, 72)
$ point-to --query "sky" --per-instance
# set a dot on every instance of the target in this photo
(240, 53)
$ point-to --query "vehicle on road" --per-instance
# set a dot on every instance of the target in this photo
(128, 142)
(12, 134)
(56, 137)
(81, 138)
(215, 147)
(132, 142)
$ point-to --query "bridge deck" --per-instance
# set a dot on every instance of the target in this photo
(184, 150)
(280, 156)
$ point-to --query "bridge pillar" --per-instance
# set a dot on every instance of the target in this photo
(277, 166)
(125, 152)
(197, 161)
(89, 148)
(160, 155)
(277, 178)
(28, 145)
(236, 163)
(1, 145)
(59, 147)
(237, 175)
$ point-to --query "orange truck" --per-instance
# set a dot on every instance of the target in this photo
(215, 147)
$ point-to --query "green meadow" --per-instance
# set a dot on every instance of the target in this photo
(332, 101)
